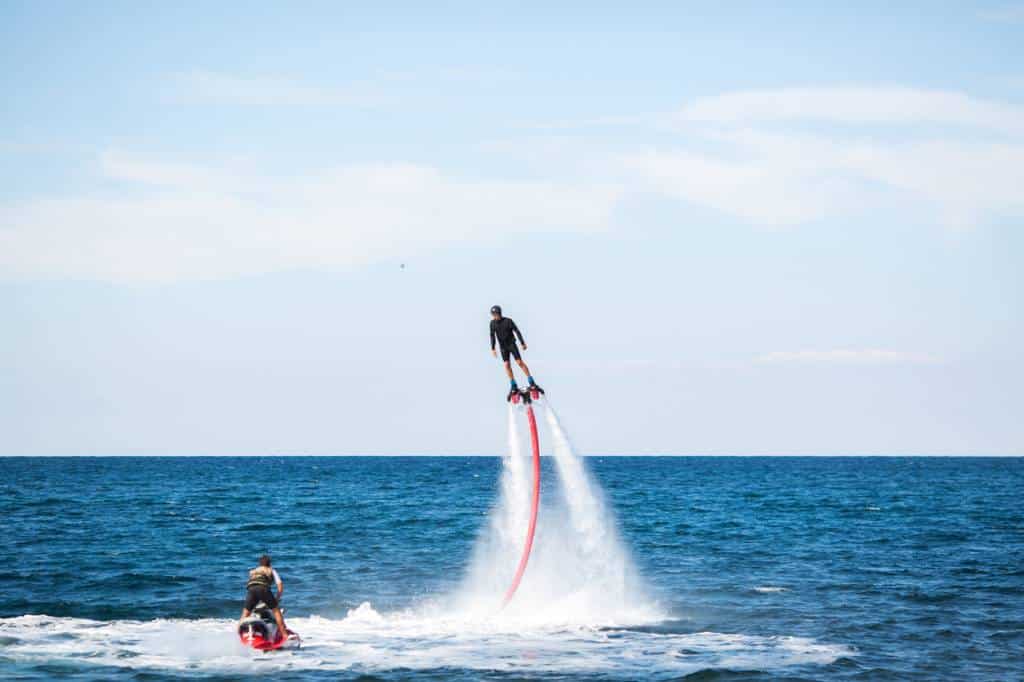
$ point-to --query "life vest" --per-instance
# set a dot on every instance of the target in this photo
(261, 576)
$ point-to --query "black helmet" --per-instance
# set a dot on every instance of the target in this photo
(495, 310)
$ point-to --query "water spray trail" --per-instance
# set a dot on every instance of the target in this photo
(602, 561)
(580, 573)
(500, 547)
(511, 522)
(585, 507)
(534, 505)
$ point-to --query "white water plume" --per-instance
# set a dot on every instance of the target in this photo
(498, 549)
(590, 518)
(515, 489)
(394, 645)
(603, 565)
(571, 615)
(579, 573)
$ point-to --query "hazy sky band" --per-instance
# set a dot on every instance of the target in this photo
(723, 230)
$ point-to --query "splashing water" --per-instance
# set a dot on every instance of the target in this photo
(579, 572)
(515, 489)
(499, 546)
(604, 573)
(582, 609)
(573, 615)
(402, 642)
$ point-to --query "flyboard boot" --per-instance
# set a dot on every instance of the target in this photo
(535, 391)
(526, 395)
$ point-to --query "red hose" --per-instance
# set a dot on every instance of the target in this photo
(535, 443)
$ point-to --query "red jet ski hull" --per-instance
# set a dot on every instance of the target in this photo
(259, 643)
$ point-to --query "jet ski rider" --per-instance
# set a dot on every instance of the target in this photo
(258, 590)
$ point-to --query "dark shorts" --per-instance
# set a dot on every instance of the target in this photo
(511, 350)
(255, 595)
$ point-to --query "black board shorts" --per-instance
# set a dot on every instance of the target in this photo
(255, 595)
(511, 350)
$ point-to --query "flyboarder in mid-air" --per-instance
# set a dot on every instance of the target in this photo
(505, 331)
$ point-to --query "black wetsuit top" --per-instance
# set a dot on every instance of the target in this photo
(503, 330)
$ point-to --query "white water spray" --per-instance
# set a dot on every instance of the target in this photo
(515, 489)
(501, 542)
(604, 568)
(392, 645)
(579, 572)
(579, 578)
(590, 519)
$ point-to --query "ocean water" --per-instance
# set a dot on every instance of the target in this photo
(704, 568)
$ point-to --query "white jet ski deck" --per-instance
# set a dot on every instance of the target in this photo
(260, 631)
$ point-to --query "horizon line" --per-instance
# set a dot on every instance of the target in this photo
(594, 455)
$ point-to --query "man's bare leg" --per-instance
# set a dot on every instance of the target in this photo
(522, 366)
(508, 370)
(534, 388)
(279, 617)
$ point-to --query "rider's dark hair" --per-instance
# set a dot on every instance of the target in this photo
(265, 560)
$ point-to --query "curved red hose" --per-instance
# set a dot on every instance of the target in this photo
(535, 443)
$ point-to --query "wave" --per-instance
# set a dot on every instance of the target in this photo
(369, 641)
(579, 573)
(582, 608)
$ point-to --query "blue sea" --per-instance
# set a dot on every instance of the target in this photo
(702, 568)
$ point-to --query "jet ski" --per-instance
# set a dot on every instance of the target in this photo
(260, 631)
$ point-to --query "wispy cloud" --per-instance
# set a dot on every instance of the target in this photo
(184, 221)
(774, 158)
(41, 147)
(845, 356)
(1011, 14)
(117, 165)
(1016, 81)
(856, 106)
(793, 155)
(272, 90)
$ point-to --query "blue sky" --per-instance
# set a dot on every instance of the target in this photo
(724, 228)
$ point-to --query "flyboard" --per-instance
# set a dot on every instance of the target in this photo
(526, 397)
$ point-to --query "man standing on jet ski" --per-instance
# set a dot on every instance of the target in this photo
(505, 331)
(258, 590)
